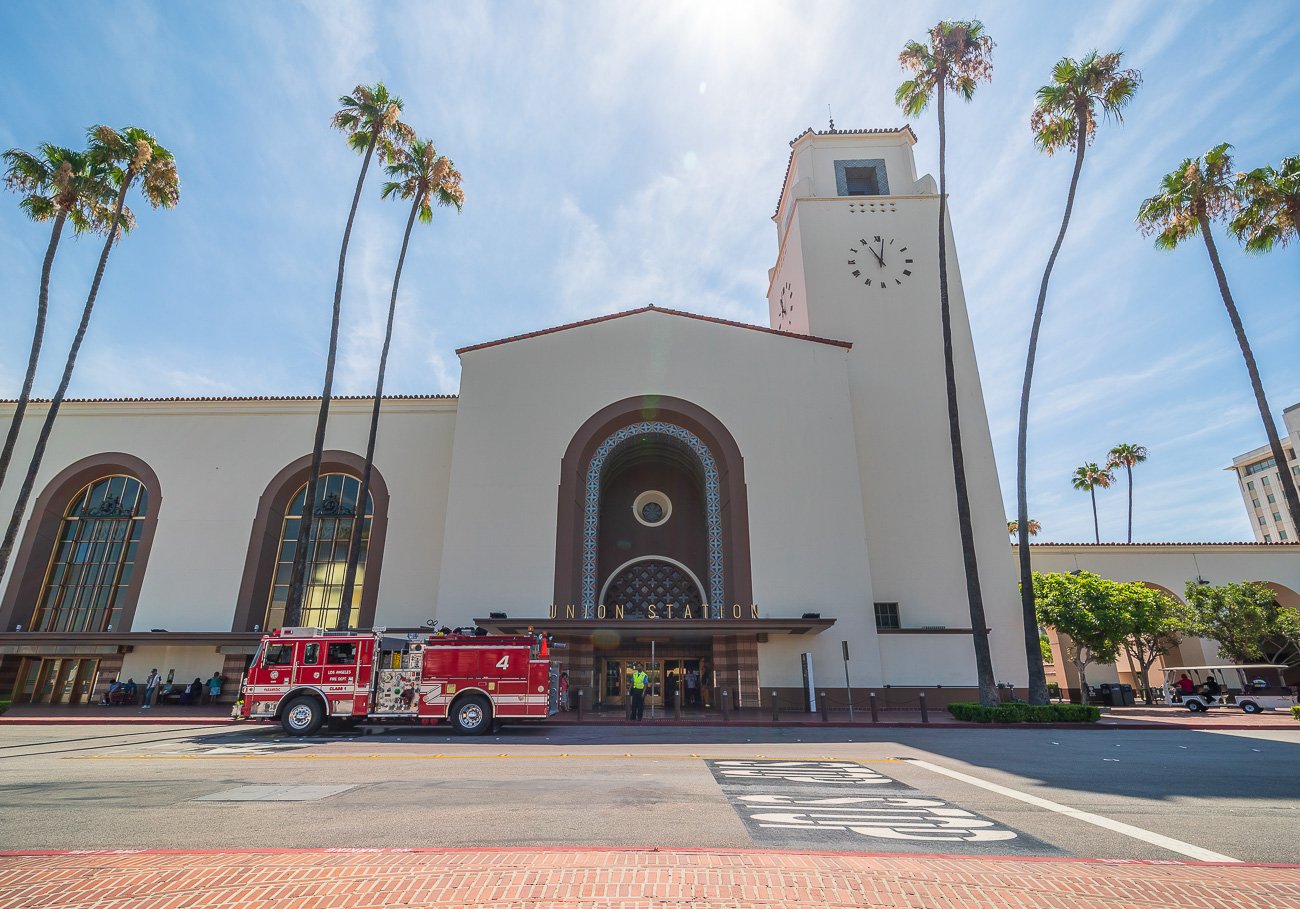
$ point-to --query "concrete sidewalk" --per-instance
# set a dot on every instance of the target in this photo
(545, 878)
(1111, 718)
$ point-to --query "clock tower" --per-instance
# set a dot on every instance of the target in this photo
(857, 261)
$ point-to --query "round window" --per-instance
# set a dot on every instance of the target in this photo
(652, 508)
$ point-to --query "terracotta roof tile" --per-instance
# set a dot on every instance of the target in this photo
(670, 312)
(1139, 545)
(233, 398)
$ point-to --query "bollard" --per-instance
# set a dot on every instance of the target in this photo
(776, 708)
(724, 704)
(627, 706)
(677, 705)
(875, 717)
(579, 693)
(826, 711)
(925, 714)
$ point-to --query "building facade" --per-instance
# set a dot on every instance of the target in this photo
(729, 501)
(725, 494)
(1257, 477)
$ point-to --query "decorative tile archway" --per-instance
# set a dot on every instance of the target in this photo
(699, 438)
(712, 502)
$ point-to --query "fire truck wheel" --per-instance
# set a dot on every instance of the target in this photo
(472, 715)
(302, 716)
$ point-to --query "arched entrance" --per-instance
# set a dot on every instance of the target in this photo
(653, 513)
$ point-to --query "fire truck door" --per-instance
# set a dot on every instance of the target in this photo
(308, 664)
(340, 672)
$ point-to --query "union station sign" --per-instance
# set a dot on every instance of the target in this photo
(654, 611)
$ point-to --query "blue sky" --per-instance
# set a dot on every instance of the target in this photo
(616, 155)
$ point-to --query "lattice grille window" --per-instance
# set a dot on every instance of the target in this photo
(652, 581)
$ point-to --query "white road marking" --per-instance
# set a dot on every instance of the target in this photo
(1137, 833)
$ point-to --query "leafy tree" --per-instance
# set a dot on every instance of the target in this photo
(1013, 527)
(1270, 210)
(1064, 117)
(1089, 477)
(1200, 191)
(957, 58)
(1247, 621)
(369, 119)
(129, 157)
(1090, 611)
(1157, 621)
(426, 179)
(56, 184)
(1126, 455)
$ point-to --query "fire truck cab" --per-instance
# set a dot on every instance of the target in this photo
(308, 677)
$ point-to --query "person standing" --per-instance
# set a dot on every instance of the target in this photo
(151, 688)
(693, 688)
(214, 688)
(639, 681)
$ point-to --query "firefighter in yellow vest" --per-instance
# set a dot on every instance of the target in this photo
(639, 682)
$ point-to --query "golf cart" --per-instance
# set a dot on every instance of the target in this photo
(1253, 687)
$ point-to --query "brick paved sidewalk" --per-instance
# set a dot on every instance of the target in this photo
(623, 878)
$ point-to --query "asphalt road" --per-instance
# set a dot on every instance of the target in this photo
(1089, 793)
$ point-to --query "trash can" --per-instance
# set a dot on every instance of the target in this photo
(1126, 696)
(1111, 696)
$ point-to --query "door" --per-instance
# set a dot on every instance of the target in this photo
(615, 677)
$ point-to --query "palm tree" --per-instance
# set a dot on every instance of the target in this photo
(1064, 117)
(1013, 527)
(1089, 477)
(368, 118)
(57, 184)
(1202, 190)
(1126, 455)
(125, 156)
(427, 179)
(1270, 211)
(958, 57)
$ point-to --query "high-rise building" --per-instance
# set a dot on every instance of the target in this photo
(1257, 475)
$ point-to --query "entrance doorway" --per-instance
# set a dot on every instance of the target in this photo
(672, 678)
(56, 681)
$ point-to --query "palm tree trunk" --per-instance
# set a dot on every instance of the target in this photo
(1285, 479)
(1128, 469)
(293, 604)
(1096, 528)
(1033, 652)
(38, 336)
(358, 522)
(38, 453)
(979, 624)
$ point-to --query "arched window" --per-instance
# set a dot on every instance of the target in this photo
(93, 558)
(331, 529)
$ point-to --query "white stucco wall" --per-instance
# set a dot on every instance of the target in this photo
(784, 400)
(214, 459)
(899, 402)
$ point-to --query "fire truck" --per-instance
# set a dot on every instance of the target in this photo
(307, 678)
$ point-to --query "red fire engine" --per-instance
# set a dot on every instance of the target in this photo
(306, 677)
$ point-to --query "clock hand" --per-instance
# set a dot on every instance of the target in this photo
(881, 255)
(879, 261)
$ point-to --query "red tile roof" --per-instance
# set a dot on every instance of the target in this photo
(1104, 545)
(185, 399)
(670, 312)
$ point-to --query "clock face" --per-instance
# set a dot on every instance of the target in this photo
(880, 263)
(785, 307)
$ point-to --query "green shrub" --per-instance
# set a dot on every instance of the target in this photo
(4, 705)
(1026, 713)
(1295, 713)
